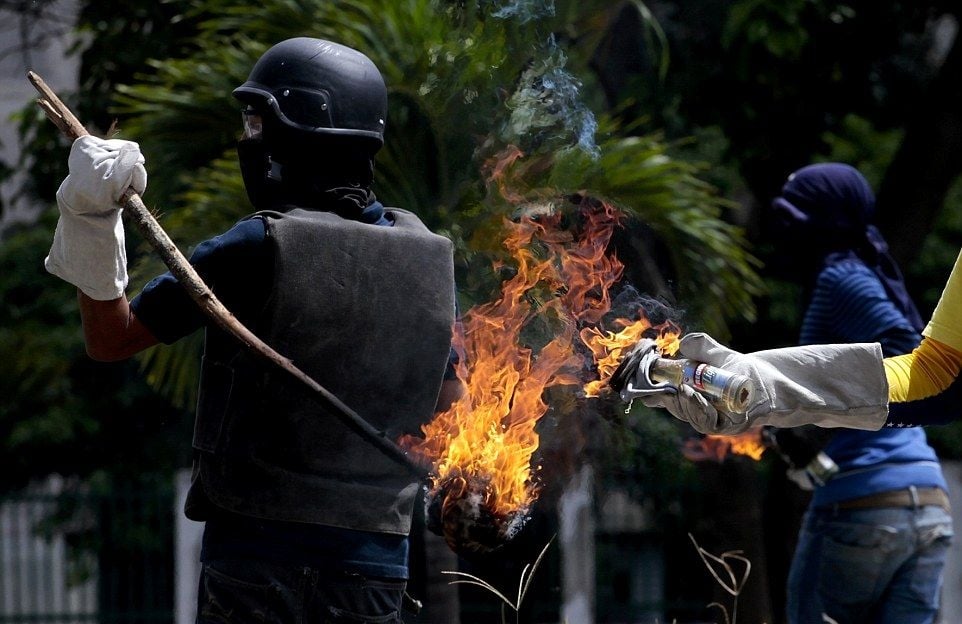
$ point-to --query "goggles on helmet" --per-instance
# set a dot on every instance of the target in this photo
(253, 123)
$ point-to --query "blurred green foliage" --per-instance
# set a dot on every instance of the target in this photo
(684, 115)
(687, 116)
(62, 412)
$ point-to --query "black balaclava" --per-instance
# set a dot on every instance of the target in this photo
(288, 168)
(824, 215)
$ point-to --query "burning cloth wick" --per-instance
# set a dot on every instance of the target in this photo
(482, 448)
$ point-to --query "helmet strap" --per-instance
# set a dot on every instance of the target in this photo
(274, 170)
(261, 174)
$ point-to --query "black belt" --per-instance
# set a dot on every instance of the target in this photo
(909, 497)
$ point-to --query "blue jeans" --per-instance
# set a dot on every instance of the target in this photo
(247, 591)
(882, 566)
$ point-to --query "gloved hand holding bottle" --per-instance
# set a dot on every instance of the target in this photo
(827, 385)
(834, 385)
(643, 372)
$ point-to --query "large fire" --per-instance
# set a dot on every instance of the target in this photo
(481, 449)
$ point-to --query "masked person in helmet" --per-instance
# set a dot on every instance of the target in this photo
(305, 520)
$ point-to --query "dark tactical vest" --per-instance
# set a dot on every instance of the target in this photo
(367, 312)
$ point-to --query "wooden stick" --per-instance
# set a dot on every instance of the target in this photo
(137, 212)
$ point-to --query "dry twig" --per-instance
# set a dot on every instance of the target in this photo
(733, 584)
(523, 584)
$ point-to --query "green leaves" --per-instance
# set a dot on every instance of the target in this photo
(61, 412)
(466, 80)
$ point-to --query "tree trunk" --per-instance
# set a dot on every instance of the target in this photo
(913, 191)
(577, 540)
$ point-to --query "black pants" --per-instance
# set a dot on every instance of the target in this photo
(242, 591)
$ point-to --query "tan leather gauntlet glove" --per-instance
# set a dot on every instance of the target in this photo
(838, 385)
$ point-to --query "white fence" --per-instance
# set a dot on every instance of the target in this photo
(35, 571)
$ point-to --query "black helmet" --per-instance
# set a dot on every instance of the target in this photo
(320, 88)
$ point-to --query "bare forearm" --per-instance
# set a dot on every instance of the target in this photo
(111, 330)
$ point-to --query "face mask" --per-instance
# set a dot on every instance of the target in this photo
(257, 170)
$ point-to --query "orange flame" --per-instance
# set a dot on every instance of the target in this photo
(488, 436)
(561, 281)
(718, 447)
(609, 347)
(497, 169)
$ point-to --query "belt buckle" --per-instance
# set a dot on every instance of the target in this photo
(914, 496)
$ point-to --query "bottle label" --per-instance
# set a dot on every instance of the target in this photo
(706, 378)
(731, 390)
(699, 375)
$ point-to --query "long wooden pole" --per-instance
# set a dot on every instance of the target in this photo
(137, 212)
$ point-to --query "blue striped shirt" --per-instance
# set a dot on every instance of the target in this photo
(849, 304)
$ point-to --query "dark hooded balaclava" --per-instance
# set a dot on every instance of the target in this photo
(825, 214)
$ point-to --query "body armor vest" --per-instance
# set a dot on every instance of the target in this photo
(367, 312)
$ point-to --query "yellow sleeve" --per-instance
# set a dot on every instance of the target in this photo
(935, 363)
(927, 371)
(946, 323)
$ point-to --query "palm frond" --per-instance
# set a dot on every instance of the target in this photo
(464, 81)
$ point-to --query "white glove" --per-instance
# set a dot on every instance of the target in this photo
(838, 385)
(88, 244)
(683, 401)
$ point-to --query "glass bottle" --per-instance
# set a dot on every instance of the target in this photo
(730, 391)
